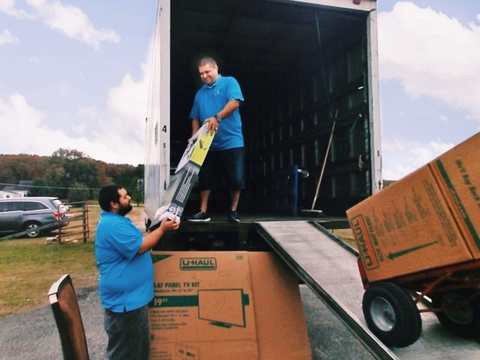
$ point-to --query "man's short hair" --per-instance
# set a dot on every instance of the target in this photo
(207, 60)
(107, 195)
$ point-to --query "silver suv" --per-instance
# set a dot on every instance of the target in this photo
(37, 215)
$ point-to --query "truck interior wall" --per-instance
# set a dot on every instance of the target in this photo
(301, 68)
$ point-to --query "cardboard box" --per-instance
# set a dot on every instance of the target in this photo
(429, 219)
(406, 228)
(458, 174)
(226, 305)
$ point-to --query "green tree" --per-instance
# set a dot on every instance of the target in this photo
(55, 175)
(67, 167)
(39, 188)
(83, 171)
(78, 192)
(14, 168)
(137, 196)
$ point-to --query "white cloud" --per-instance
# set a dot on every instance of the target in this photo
(118, 138)
(127, 104)
(431, 54)
(63, 89)
(67, 19)
(397, 173)
(72, 21)
(79, 128)
(34, 60)
(405, 156)
(8, 7)
(7, 38)
(24, 132)
(88, 112)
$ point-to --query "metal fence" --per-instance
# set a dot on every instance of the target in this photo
(78, 227)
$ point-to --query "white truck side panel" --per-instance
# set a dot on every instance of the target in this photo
(375, 125)
(157, 132)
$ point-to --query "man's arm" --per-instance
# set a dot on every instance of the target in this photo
(150, 239)
(225, 112)
(229, 108)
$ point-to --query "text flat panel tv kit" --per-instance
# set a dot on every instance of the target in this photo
(226, 305)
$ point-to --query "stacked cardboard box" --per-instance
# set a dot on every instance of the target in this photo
(429, 219)
(226, 305)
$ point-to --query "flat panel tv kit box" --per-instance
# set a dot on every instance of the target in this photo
(226, 305)
(186, 175)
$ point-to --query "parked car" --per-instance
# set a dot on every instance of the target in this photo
(31, 213)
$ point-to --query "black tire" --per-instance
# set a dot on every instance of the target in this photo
(32, 227)
(464, 320)
(391, 314)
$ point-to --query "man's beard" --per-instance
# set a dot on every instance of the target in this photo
(124, 210)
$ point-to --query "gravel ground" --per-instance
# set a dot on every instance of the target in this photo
(33, 335)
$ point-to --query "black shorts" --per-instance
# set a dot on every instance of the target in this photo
(227, 163)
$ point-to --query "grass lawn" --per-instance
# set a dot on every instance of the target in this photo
(28, 267)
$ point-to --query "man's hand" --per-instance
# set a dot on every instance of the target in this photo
(170, 224)
(212, 124)
(152, 237)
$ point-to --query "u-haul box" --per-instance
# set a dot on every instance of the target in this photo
(429, 219)
(226, 305)
(458, 174)
(406, 228)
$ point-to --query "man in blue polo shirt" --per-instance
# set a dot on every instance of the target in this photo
(126, 274)
(217, 103)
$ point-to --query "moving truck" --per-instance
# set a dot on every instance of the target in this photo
(309, 75)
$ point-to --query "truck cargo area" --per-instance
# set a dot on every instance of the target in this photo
(301, 68)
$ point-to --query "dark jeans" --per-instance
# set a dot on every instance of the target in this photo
(128, 334)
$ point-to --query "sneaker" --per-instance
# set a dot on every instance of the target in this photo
(200, 216)
(232, 216)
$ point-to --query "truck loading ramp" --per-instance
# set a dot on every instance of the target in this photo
(329, 268)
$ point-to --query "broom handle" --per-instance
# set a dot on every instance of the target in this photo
(324, 162)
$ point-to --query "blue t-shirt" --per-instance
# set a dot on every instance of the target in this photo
(209, 101)
(126, 278)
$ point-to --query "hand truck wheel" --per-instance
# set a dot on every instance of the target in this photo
(391, 314)
(461, 314)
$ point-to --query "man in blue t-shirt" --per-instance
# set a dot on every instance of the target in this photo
(126, 274)
(217, 103)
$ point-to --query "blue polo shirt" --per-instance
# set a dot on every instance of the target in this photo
(209, 101)
(126, 278)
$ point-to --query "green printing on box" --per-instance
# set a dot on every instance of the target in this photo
(453, 192)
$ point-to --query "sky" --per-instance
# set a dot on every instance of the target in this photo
(74, 74)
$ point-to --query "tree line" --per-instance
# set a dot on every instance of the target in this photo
(69, 174)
